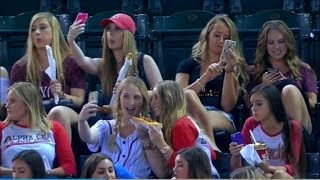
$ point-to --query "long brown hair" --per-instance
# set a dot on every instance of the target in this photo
(291, 58)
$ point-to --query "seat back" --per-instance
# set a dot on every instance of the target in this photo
(15, 7)
(173, 37)
(313, 165)
(249, 27)
(247, 7)
(94, 7)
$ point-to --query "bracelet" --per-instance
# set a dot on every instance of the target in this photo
(203, 88)
(230, 71)
(165, 149)
(147, 145)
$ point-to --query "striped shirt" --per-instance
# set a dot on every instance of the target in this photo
(129, 153)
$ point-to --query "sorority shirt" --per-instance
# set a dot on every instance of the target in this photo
(213, 89)
(186, 133)
(16, 138)
(274, 142)
(73, 74)
(128, 151)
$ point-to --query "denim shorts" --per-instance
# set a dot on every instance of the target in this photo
(229, 116)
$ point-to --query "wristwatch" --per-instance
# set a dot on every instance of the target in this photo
(165, 149)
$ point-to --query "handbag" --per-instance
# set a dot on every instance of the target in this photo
(49, 104)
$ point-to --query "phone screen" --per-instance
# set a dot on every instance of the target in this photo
(273, 70)
(82, 17)
(228, 44)
(238, 138)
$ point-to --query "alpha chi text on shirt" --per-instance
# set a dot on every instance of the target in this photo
(25, 139)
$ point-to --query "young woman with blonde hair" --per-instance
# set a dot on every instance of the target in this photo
(119, 138)
(44, 29)
(118, 40)
(28, 127)
(179, 131)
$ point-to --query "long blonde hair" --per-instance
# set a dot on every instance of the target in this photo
(108, 70)
(117, 109)
(200, 50)
(172, 104)
(60, 50)
(291, 58)
(32, 98)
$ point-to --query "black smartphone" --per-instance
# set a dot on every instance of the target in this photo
(273, 70)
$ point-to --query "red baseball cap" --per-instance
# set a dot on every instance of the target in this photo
(122, 21)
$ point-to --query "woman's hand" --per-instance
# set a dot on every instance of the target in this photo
(143, 133)
(156, 136)
(56, 87)
(271, 77)
(231, 61)
(264, 165)
(75, 30)
(213, 70)
(235, 149)
(88, 110)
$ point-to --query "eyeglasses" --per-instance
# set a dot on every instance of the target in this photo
(113, 29)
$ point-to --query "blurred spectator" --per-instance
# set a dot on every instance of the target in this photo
(192, 163)
(100, 166)
(4, 84)
(28, 164)
(249, 172)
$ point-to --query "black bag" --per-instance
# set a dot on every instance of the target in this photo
(49, 104)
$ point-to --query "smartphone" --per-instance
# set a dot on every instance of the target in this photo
(93, 96)
(228, 44)
(238, 138)
(272, 70)
(82, 17)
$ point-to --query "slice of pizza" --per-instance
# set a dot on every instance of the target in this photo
(147, 121)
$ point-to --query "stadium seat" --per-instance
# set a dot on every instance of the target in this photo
(247, 7)
(249, 27)
(169, 7)
(173, 37)
(94, 7)
(315, 6)
(15, 7)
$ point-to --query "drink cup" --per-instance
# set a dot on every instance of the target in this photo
(261, 149)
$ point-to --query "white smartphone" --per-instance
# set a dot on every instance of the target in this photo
(93, 96)
(228, 44)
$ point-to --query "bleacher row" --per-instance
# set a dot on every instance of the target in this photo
(167, 30)
(168, 37)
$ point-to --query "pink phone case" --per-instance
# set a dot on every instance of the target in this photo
(82, 17)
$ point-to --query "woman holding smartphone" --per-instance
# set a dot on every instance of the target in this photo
(278, 63)
(218, 84)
